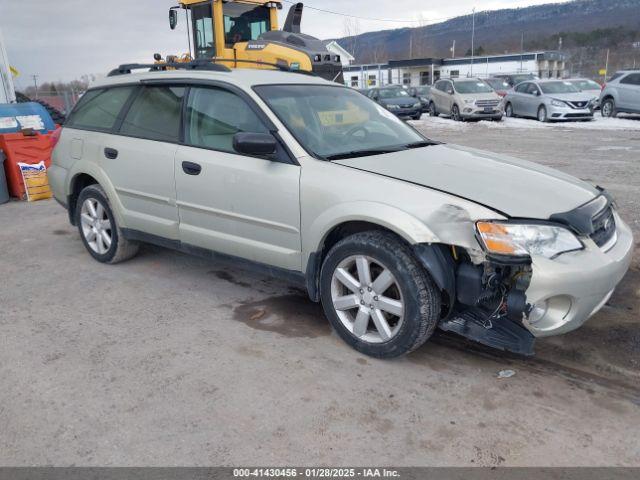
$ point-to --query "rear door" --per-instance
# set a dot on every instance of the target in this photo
(232, 203)
(139, 160)
(516, 98)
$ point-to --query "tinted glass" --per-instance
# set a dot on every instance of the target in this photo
(423, 90)
(585, 84)
(392, 93)
(498, 84)
(155, 114)
(99, 109)
(633, 79)
(558, 87)
(244, 22)
(522, 88)
(475, 86)
(214, 116)
(331, 121)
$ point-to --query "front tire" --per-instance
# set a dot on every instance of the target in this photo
(455, 113)
(542, 114)
(99, 230)
(608, 108)
(377, 296)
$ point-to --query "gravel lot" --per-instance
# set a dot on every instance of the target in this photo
(173, 360)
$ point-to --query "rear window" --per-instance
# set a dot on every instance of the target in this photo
(155, 114)
(99, 109)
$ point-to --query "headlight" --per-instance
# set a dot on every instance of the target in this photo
(469, 102)
(558, 103)
(514, 239)
(393, 107)
(417, 105)
(423, 99)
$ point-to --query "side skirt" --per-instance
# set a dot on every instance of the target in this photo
(290, 276)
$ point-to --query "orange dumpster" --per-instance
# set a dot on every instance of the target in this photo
(20, 148)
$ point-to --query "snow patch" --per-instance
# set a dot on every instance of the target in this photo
(598, 123)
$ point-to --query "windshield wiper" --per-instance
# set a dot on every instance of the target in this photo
(362, 153)
(422, 143)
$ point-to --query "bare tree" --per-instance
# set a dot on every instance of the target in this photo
(351, 30)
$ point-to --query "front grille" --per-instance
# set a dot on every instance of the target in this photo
(487, 103)
(575, 115)
(408, 105)
(604, 227)
(583, 104)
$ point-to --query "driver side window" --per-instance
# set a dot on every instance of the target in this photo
(522, 88)
(533, 89)
(214, 116)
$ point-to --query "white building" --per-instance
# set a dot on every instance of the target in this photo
(345, 57)
(7, 93)
(425, 71)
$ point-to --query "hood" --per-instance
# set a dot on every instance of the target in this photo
(480, 96)
(571, 97)
(511, 186)
(399, 101)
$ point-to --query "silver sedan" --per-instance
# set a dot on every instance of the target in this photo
(549, 100)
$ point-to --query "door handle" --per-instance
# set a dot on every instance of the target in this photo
(191, 168)
(111, 153)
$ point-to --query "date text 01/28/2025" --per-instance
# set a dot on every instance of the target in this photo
(315, 473)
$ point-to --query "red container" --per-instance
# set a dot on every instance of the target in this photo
(20, 148)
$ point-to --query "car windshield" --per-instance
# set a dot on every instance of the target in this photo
(585, 84)
(558, 87)
(392, 93)
(472, 86)
(336, 122)
(423, 90)
(498, 84)
(521, 78)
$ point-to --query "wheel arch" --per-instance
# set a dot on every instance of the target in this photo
(81, 176)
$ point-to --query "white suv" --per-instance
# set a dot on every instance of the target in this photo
(395, 234)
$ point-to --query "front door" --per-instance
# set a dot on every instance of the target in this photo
(234, 204)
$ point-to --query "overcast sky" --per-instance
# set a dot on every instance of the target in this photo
(62, 40)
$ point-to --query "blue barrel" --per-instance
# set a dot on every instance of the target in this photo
(15, 117)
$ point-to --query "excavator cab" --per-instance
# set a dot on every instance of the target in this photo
(244, 34)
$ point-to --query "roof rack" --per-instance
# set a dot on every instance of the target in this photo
(210, 64)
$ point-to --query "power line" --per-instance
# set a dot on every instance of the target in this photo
(373, 19)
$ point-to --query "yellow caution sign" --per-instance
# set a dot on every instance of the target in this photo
(602, 71)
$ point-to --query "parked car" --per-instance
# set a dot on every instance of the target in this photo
(465, 99)
(549, 100)
(422, 93)
(398, 101)
(500, 85)
(621, 94)
(588, 86)
(515, 79)
(394, 234)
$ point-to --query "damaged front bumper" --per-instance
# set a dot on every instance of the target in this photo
(566, 291)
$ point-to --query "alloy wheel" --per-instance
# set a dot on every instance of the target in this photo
(542, 114)
(607, 109)
(509, 110)
(96, 226)
(455, 113)
(367, 299)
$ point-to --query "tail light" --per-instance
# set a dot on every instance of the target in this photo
(603, 85)
(55, 137)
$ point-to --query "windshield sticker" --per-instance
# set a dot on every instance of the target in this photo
(8, 122)
(31, 121)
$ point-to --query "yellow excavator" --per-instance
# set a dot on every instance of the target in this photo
(245, 34)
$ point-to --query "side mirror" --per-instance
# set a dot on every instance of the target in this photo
(173, 19)
(254, 143)
(450, 92)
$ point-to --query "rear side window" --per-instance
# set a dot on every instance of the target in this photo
(155, 114)
(633, 79)
(99, 109)
(214, 116)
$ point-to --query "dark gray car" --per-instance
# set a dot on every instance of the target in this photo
(398, 101)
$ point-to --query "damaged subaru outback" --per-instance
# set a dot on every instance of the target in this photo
(396, 235)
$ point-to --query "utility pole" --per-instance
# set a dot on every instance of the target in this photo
(35, 84)
(453, 50)
(522, 53)
(606, 66)
(473, 37)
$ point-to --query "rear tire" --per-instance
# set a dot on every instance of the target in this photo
(98, 229)
(433, 112)
(608, 108)
(381, 272)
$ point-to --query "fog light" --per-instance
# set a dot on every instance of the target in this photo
(468, 110)
(537, 312)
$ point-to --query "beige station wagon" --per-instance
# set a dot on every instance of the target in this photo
(395, 234)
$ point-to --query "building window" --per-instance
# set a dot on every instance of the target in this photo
(455, 73)
(406, 78)
(424, 78)
(354, 81)
(372, 80)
